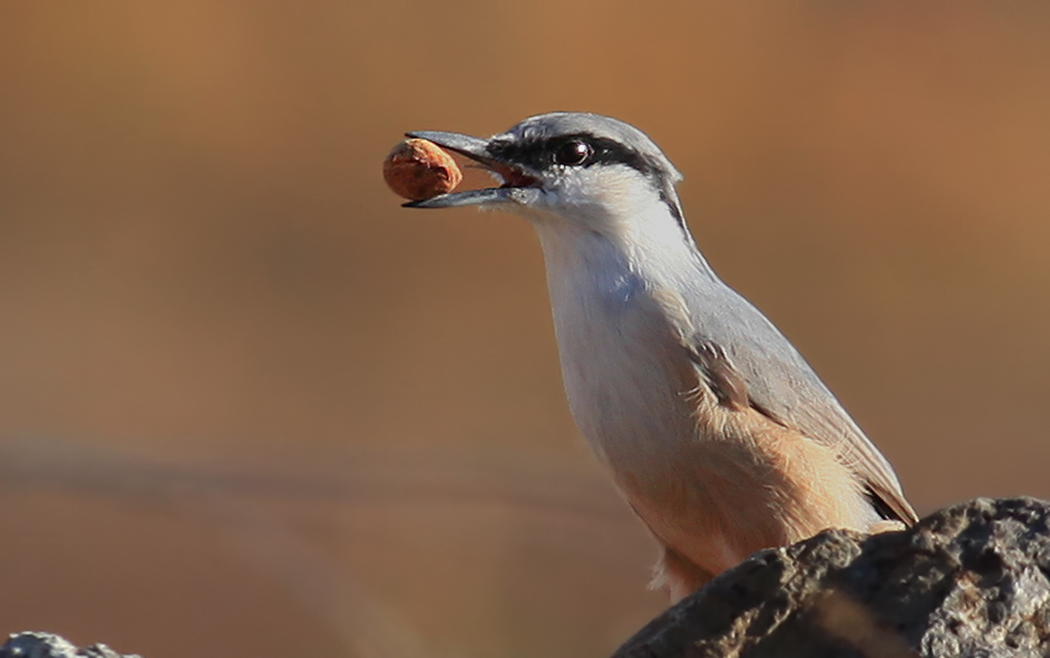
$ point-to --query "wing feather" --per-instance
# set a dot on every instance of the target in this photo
(781, 385)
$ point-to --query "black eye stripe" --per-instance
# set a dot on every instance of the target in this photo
(538, 154)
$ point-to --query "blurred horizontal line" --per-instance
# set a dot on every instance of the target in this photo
(357, 476)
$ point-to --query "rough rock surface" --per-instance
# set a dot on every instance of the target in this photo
(47, 645)
(970, 580)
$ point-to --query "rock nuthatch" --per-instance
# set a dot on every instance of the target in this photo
(720, 436)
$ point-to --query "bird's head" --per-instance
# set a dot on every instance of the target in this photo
(592, 171)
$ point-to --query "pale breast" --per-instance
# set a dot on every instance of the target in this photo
(627, 377)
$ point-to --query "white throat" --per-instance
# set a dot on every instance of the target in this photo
(619, 355)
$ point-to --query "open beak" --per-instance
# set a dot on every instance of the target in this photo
(515, 178)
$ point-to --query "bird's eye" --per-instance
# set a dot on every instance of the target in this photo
(573, 153)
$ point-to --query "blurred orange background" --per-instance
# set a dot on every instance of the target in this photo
(248, 403)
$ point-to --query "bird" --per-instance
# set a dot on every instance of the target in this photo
(716, 431)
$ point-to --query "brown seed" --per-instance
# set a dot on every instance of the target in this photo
(418, 169)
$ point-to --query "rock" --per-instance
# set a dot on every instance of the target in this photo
(46, 645)
(970, 580)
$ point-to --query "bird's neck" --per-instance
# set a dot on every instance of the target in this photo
(624, 371)
(650, 246)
